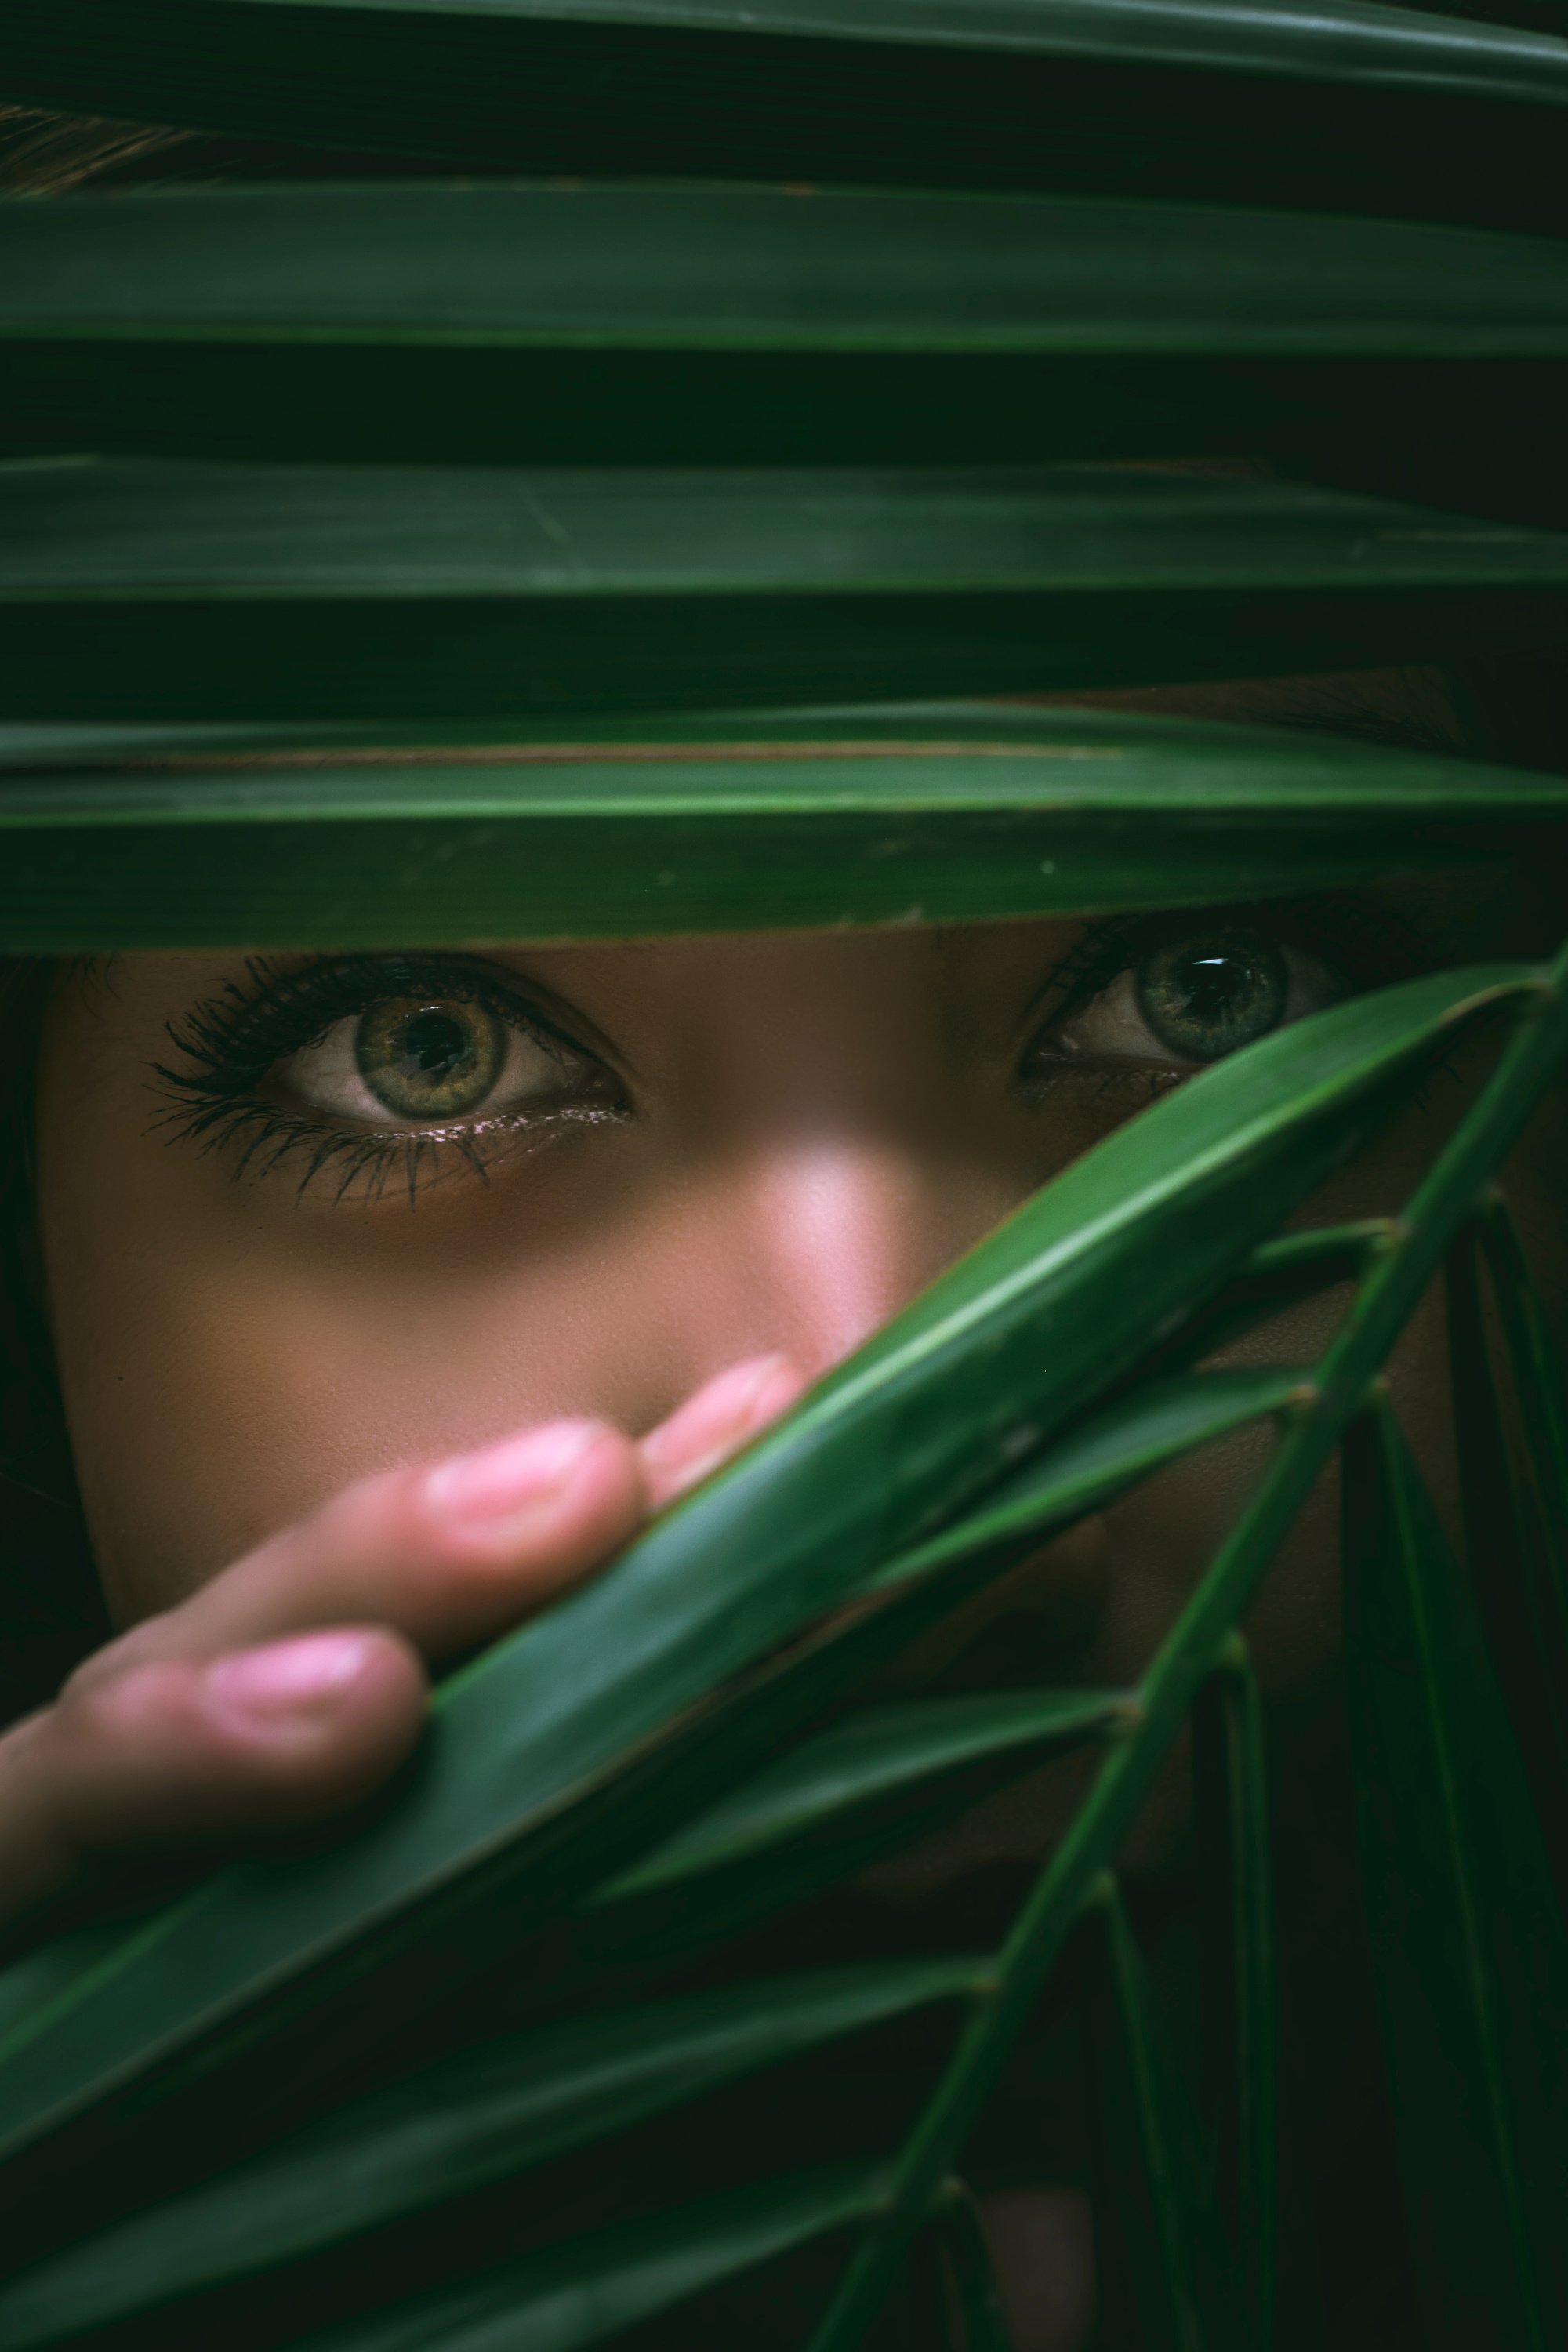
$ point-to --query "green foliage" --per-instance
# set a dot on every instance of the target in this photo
(749, 326)
(1467, 1925)
(491, 2113)
(122, 836)
(260, 591)
(387, 563)
(1199, 2280)
(1347, 107)
(974, 2291)
(549, 1812)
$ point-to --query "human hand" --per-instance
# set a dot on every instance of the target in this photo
(295, 1683)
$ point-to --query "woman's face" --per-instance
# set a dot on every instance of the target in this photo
(308, 1217)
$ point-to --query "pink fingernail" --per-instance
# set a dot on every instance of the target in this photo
(289, 1677)
(502, 1480)
(741, 1390)
(728, 1402)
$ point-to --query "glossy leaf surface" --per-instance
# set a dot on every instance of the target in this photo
(1391, 1289)
(726, 326)
(1159, 1423)
(136, 589)
(210, 665)
(868, 1756)
(124, 837)
(1202, 97)
(1127, 1239)
(486, 2115)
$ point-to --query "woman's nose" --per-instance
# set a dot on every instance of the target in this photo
(820, 1239)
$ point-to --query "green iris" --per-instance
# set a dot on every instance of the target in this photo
(1204, 996)
(429, 1061)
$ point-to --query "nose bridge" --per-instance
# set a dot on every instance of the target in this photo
(824, 1236)
(831, 1148)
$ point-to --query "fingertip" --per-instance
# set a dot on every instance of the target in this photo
(257, 1738)
(501, 1532)
(498, 1485)
(716, 1420)
(315, 1722)
(286, 1687)
(784, 1385)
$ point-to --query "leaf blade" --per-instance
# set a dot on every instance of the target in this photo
(390, 322)
(891, 94)
(515, 1741)
(1469, 1943)
(124, 837)
(596, 2286)
(486, 2115)
(140, 588)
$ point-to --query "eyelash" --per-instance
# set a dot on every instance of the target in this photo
(1105, 949)
(1367, 944)
(233, 1040)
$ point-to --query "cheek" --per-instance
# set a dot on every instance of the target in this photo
(229, 1360)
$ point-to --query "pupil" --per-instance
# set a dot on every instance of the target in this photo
(432, 1046)
(1214, 983)
(1203, 998)
(430, 1061)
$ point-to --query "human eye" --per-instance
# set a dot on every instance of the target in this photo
(377, 1068)
(1148, 1003)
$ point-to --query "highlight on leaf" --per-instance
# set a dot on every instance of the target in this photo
(592, 479)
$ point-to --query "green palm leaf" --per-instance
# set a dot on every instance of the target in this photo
(593, 2287)
(554, 459)
(1239, 1967)
(137, 588)
(1176, 96)
(734, 327)
(1199, 1642)
(974, 2278)
(117, 836)
(1468, 1938)
(485, 2116)
(1141, 1229)
(852, 1769)
(518, 1768)
(1197, 2266)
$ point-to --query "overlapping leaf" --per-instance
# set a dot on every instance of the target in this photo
(123, 837)
(1241, 1995)
(525, 1770)
(1178, 2158)
(1201, 1640)
(1468, 1936)
(133, 588)
(490, 2114)
(592, 2288)
(739, 326)
(1346, 105)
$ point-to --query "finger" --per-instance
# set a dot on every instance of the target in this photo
(179, 1748)
(449, 1554)
(715, 1422)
